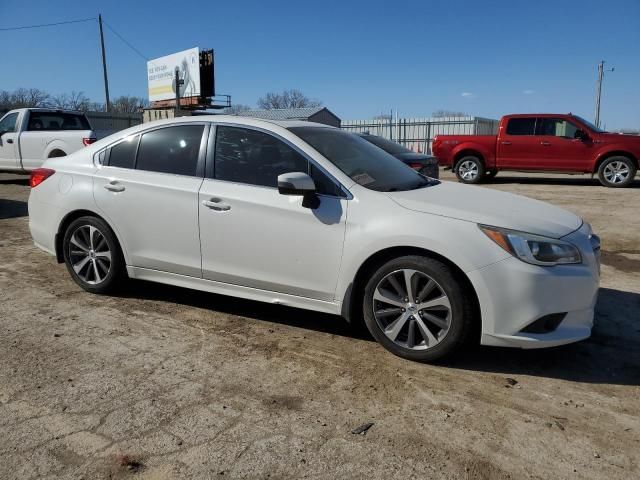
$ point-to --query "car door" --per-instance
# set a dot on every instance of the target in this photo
(9, 142)
(255, 237)
(563, 151)
(519, 148)
(147, 187)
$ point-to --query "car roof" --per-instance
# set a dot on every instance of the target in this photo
(239, 119)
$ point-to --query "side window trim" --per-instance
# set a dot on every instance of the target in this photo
(310, 161)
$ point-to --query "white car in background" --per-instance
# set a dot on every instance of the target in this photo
(28, 136)
(310, 216)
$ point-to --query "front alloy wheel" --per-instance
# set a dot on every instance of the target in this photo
(411, 309)
(418, 308)
(616, 172)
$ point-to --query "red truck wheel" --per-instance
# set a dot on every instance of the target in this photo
(616, 172)
(470, 169)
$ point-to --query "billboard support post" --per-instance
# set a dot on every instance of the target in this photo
(178, 83)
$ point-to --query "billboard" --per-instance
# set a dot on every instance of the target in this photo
(161, 75)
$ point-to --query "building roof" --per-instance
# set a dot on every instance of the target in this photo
(283, 113)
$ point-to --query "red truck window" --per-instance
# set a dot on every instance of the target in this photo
(557, 127)
(521, 126)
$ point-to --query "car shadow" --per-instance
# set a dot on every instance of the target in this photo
(542, 180)
(12, 209)
(295, 317)
(611, 355)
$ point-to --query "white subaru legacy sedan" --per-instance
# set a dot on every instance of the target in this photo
(310, 216)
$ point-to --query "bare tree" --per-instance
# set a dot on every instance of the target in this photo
(73, 101)
(28, 98)
(127, 104)
(236, 109)
(287, 99)
(447, 113)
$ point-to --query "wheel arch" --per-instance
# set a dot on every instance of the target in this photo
(66, 221)
(468, 152)
(614, 153)
(354, 294)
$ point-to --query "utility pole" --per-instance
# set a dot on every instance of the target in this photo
(601, 71)
(104, 66)
(178, 82)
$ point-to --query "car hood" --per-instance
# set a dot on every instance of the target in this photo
(490, 207)
(416, 157)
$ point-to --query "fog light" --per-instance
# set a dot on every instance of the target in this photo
(545, 324)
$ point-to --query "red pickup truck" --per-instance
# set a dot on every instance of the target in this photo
(542, 143)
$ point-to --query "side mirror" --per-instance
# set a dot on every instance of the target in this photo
(581, 135)
(299, 183)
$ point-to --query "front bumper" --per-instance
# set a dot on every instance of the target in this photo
(514, 294)
(431, 170)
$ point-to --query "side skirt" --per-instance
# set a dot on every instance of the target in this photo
(234, 290)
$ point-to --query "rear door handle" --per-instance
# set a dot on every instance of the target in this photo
(216, 204)
(114, 186)
(545, 144)
(506, 143)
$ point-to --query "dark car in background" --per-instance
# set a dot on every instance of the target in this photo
(421, 162)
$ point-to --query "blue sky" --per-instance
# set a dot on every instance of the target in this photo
(360, 58)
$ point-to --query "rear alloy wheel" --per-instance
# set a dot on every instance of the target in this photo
(616, 172)
(470, 170)
(414, 306)
(92, 255)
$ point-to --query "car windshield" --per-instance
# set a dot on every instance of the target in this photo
(388, 146)
(590, 125)
(362, 161)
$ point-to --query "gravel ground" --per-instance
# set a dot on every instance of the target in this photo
(165, 383)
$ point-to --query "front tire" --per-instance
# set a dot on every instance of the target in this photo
(92, 255)
(416, 307)
(470, 170)
(617, 172)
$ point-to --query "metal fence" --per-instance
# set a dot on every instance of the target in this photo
(417, 134)
(104, 123)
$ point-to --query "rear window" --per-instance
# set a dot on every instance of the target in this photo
(51, 121)
(388, 146)
(521, 126)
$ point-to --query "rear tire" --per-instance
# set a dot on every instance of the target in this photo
(92, 255)
(417, 308)
(470, 169)
(617, 172)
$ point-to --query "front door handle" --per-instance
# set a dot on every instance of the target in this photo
(9, 140)
(114, 187)
(506, 143)
(545, 144)
(216, 204)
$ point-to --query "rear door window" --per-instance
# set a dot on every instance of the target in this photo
(521, 126)
(171, 150)
(52, 121)
(123, 154)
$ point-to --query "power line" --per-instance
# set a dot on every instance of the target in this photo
(24, 27)
(127, 43)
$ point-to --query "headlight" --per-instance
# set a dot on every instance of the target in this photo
(533, 248)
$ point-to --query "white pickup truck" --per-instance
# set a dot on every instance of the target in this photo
(28, 136)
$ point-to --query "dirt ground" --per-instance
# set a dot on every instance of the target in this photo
(165, 383)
